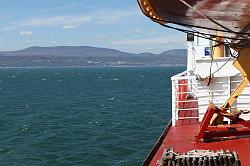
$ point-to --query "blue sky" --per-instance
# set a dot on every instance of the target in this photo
(111, 24)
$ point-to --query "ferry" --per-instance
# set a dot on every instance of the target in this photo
(210, 123)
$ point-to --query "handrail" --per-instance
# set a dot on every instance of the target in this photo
(189, 83)
(185, 83)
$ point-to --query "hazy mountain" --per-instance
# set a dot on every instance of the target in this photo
(86, 51)
(87, 56)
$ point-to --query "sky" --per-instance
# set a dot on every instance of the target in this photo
(112, 24)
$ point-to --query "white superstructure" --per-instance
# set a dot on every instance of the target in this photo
(201, 68)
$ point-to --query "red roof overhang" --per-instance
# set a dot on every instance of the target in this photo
(227, 18)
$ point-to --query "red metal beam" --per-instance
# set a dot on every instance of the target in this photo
(205, 123)
(239, 120)
(208, 131)
(220, 134)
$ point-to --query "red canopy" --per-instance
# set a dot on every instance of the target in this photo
(229, 18)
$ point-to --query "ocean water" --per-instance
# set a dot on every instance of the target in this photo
(82, 116)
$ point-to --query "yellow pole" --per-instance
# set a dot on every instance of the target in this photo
(242, 64)
(218, 49)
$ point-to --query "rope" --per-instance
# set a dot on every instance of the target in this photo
(211, 65)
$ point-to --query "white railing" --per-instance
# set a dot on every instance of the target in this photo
(184, 85)
(217, 93)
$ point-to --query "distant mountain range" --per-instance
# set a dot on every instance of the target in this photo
(60, 56)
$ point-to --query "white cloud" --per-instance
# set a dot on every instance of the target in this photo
(154, 44)
(100, 17)
(99, 37)
(66, 6)
(8, 28)
(40, 42)
(33, 41)
(157, 41)
(26, 33)
(57, 21)
(138, 31)
(58, 8)
(60, 20)
(111, 16)
(69, 27)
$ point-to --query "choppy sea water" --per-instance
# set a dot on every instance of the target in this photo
(82, 116)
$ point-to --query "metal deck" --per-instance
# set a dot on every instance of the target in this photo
(181, 138)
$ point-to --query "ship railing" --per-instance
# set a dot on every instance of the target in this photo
(190, 97)
(184, 98)
(219, 91)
